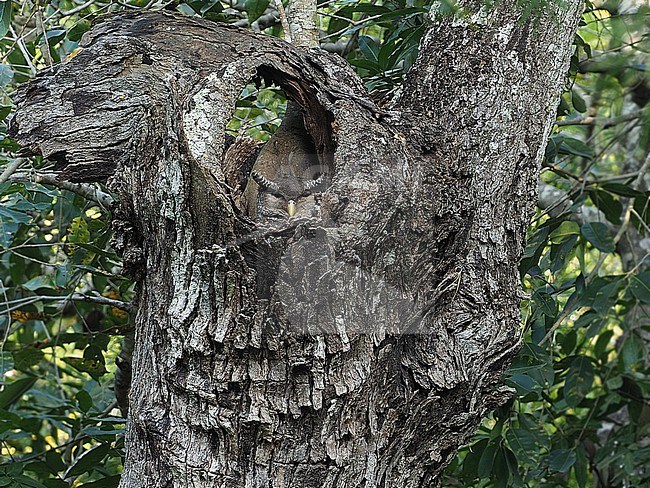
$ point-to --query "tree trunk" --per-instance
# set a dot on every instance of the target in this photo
(357, 347)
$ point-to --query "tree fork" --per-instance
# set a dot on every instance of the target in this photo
(395, 312)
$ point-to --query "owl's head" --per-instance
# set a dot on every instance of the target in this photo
(286, 196)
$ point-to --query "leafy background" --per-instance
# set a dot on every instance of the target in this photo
(581, 412)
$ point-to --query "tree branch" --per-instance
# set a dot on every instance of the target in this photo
(283, 20)
(604, 121)
(78, 297)
(89, 191)
(45, 47)
(11, 169)
(100, 300)
(303, 22)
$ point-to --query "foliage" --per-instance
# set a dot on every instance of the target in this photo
(580, 417)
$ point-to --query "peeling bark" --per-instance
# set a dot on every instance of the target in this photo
(393, 313)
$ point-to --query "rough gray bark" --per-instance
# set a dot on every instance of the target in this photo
(303, 23)
(394, 312)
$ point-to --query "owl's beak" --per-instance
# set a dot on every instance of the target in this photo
(291, 208)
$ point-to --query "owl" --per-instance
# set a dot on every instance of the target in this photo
(286, 196)
(287, 175)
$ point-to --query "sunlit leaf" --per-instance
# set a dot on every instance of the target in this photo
(564, 231)
(92, 366)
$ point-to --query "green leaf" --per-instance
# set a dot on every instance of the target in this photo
(4, 111)
(564, 231)
(642, 208)
(470, 465)
(107, 435)
(561, 460)
(501, 469)
(608, 204)
(598, 290)
(575, 147)
(21, 481)
(401, 14)
(545, 302)
(369, 66)
(598, 235)
(6, 363)
(606, 296)
(602, 344)
(550, 152)
(5, 17)
(342, 20)
(563, 108)
(26, 358)
(561, 252)
(9, 420)
(513, 467)
(640, 286)
(55, 483)
(78, 30)
(523, 442)
(486, 462)
(568, 341)
(78, 232)
(108, 482)
(43, 281)
(54, 461)
(369, 49)
(621, 189)
(12, 392)
(93, 366)
(84, 400)
(88, 461)
(578, 102)
(204, 6)
(8, 214)
(581, 467)
(579, 380)
(55, 35)
(6, 77)
(524, 383)
(534, 248)
(632, 351)
(255, 8)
